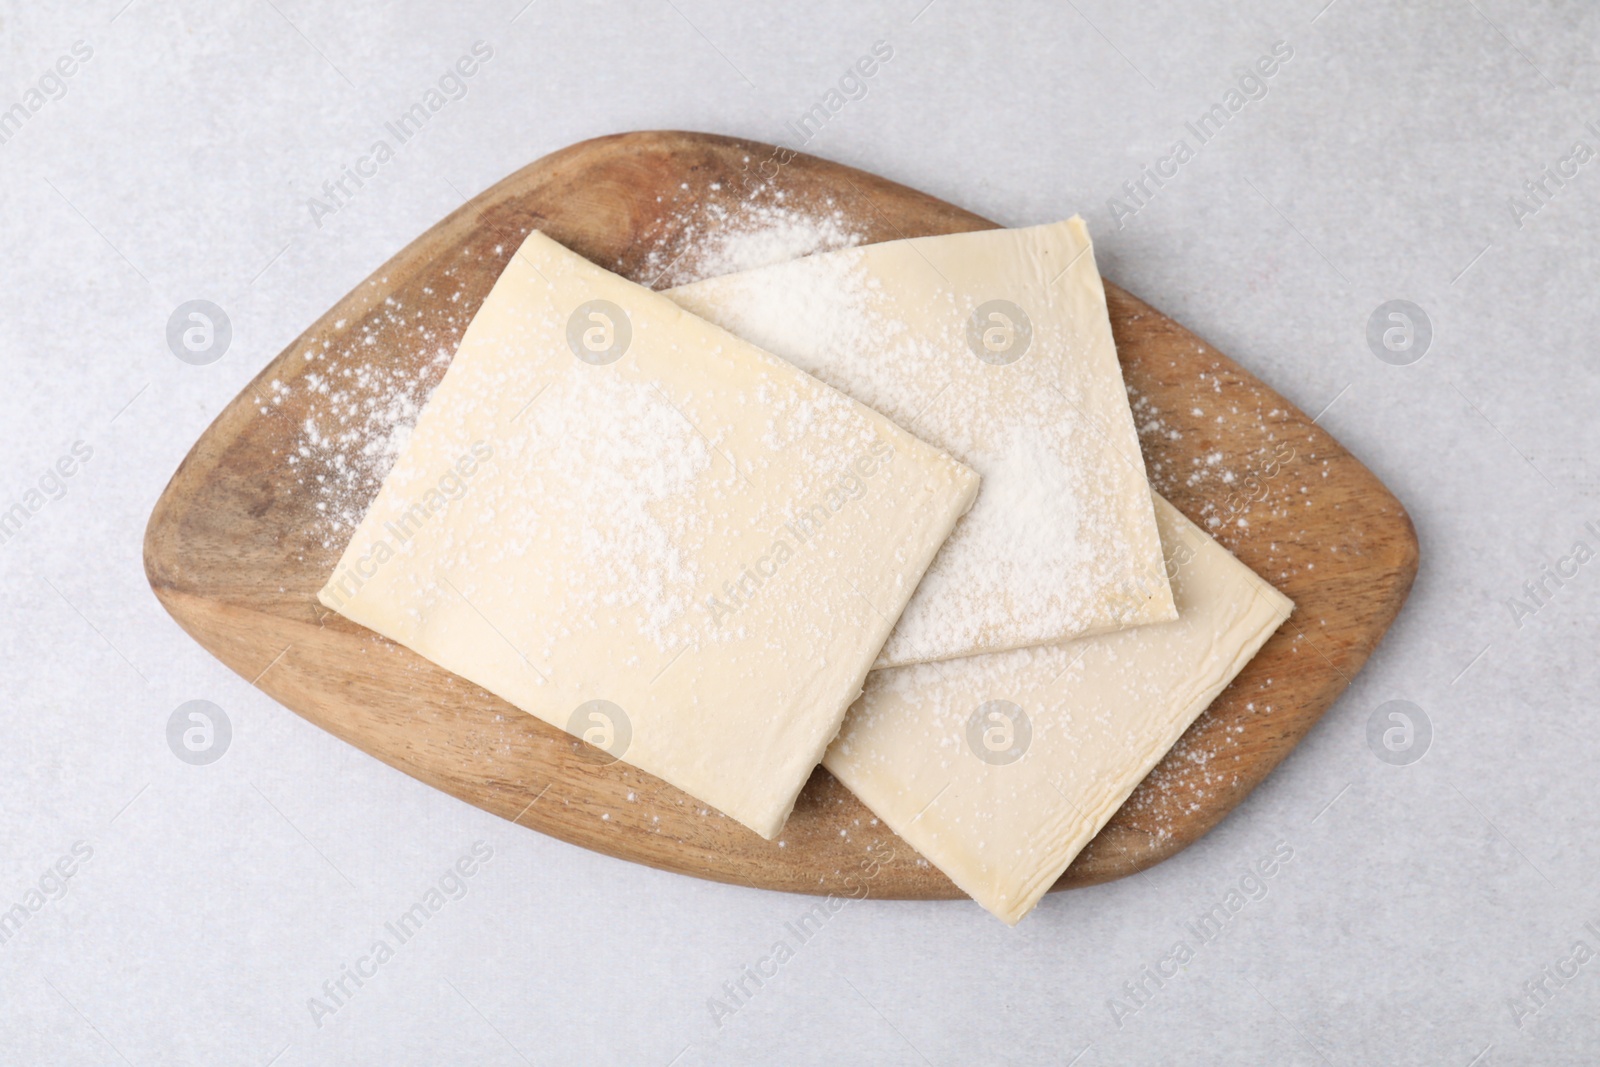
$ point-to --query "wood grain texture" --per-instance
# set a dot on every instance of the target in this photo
(233, 549)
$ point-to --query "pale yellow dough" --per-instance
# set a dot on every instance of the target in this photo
(1062, 541)
(1102, 711)
(696, 532)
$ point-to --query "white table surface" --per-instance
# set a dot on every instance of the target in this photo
(1380, 164)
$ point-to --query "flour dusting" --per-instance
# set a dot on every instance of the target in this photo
(709, 239)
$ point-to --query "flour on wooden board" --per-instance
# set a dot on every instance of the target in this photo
(711, 239)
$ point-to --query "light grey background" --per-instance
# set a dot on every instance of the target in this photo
(1380, 164)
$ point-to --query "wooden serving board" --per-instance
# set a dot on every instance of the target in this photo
(237, 545)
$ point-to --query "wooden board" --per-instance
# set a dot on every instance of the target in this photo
(237, 546)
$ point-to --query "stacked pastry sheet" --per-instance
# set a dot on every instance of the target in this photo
(881, 508)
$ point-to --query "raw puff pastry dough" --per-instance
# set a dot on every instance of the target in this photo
(1101, 711)
(695, 531)
(1062, 541)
